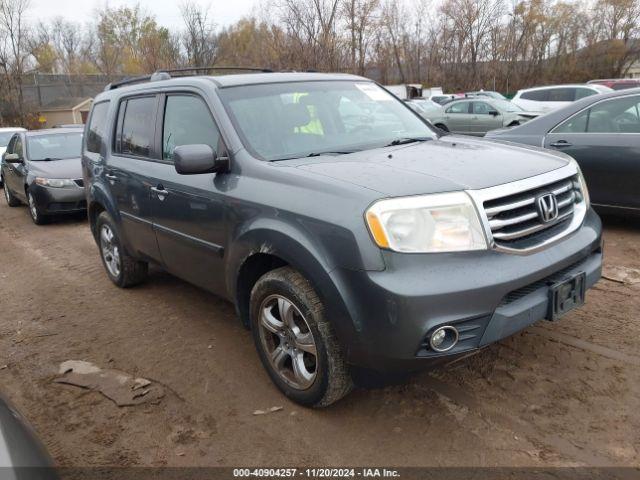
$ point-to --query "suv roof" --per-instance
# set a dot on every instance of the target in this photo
(593, 86)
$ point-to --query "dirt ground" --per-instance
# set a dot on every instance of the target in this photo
(558, 394)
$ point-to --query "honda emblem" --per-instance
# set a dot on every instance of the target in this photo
(547, 205)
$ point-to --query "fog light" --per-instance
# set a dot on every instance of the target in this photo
(444, 338)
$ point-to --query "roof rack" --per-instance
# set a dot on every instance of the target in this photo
(166, 74)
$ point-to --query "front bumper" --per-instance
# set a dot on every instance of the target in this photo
(487, 295)
(52, 201)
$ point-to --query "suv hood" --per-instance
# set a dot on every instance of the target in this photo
(67, 168)
(447, 164)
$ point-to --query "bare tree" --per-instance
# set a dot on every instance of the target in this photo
(14, 49)
(199, 39)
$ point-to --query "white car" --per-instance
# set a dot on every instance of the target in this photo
(545, 99)
(5, 135)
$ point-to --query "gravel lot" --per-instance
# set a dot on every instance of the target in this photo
(565, 393)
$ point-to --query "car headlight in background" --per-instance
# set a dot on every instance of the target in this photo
(444, 222)
(55, 182)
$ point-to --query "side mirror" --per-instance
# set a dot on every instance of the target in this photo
(13, 158)
(199, 158)
(494, 113)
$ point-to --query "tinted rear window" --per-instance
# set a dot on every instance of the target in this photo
(97, 126)
(537, 95)
(136, 123)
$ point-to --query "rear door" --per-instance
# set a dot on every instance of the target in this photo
(482, 120)
(130, 171)
(605, 140)
(458, 117)
(188, 210)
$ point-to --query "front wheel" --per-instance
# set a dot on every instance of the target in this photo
(122, 269)
(35, 212)
(296, 343)
(11, 200)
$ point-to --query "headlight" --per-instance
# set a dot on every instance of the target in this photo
(55, 182)
(445, 222)
(583, 184)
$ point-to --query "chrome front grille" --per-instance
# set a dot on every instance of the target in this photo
(515, 220)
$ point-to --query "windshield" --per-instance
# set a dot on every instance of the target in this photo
(293, 120)
(506, 106)
(5, 137)
(56, 146)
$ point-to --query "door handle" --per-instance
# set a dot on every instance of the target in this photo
(110, 176)
(160, 192)
(560, 144)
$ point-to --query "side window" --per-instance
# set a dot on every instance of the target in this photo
(187, 121)
(576, 124)
(621, 115)
(136, 122)
(536, 95)
(562, 94)
(584, 92)
(482, 108)
(462, 107)
(97, 125)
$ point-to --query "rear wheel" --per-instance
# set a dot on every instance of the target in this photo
(123, 270)
(11, 200)
(36, 214)
(295, 341)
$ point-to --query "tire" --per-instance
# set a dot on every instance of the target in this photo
(1, 181)
(442, 127)
(34, 211)
(11, 200)
(322, 378)
(122, 269)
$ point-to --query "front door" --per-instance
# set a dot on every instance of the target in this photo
(188, 210)
(605, 141)
(458, 117)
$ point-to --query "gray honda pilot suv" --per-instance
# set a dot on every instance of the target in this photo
(349, 234)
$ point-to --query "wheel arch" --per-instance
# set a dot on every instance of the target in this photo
(261, 250)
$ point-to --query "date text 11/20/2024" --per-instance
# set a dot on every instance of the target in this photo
(316, 472)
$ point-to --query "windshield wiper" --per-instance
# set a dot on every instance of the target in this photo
(47, 159)
(405, 140)
(318, 154)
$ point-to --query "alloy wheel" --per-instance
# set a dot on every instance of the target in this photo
(33, 209)
(110, 250)
(288, 342)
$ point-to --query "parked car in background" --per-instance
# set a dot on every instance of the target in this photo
(5, 135)
(42, 169)
(617, 83)
(478, 116)
(546, 99)
(486, 93)
(603, 134)
(347, 241)
(69, 125)
(427, 109)
(442, 99)
(22, 455)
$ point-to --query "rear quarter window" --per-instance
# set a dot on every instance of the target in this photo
(97, 127)
(536, 95)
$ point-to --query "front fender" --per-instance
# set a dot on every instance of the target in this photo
(294, 247)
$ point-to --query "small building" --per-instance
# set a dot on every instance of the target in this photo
(65, 110)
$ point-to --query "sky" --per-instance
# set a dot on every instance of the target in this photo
(166, 12)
